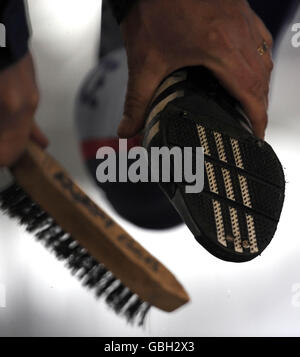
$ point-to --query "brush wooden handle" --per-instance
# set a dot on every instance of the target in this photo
(51, 187)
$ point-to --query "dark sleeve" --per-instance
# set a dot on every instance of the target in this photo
(13, 17)
(121, 8)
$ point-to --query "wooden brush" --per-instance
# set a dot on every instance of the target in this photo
(106, 258)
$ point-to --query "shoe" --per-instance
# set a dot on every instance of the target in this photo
(99, 107)
(236, 215)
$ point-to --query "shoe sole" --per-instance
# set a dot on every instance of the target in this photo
(236, 215)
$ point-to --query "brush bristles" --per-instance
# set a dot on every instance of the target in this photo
(17, 204)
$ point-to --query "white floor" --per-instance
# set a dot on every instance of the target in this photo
(260, 298)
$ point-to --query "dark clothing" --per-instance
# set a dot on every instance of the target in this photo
(121, 8)
(13, 17)
(275, 13)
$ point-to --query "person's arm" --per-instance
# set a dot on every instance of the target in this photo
(19, 93)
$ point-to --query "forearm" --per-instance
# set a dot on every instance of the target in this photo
(13, 17)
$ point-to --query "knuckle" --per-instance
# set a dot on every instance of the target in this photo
(243, 25)
(11, 104)
(213, 35)
(219, 39)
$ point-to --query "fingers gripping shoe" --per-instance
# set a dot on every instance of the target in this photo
(236, 215)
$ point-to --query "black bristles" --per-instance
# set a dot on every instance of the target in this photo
(143, 314)
(17, 204)
(84, 262)
(105, 286)
(95, 276)
(40, 220)
(133, 309)
(115, 294)
(123, 300)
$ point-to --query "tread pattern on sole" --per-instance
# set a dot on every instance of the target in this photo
(242, 243)
(238, 211)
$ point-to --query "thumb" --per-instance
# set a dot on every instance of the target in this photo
(140, 90)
